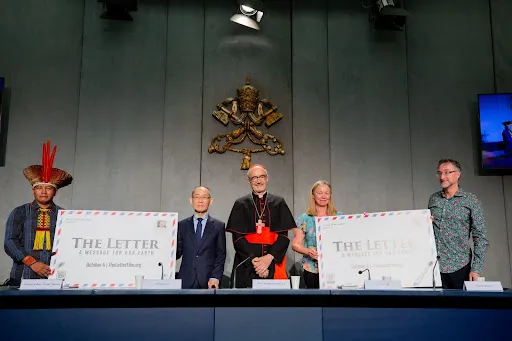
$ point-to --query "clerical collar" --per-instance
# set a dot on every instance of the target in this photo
(261, 196)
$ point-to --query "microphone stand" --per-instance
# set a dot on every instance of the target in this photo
(236, 268)
(369, 276)
(434, 273)
(162, 267)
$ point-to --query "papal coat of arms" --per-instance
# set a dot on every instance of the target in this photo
(248, 112)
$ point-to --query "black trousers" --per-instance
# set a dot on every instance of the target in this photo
(455, 280)
(312, 280)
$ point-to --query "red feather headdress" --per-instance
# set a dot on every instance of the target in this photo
(45, 173)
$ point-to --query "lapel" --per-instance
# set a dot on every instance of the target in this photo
(190, 230)
(208, 229)
(53, 222)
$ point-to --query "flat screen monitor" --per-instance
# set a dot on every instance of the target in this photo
(495, 118)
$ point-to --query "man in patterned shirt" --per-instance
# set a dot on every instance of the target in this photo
(30, 228)
(457, 215)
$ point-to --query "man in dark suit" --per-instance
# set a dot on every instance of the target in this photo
(202, 243)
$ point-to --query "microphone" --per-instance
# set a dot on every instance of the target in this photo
(369, 276)
(434, 273)
(162, 266)
(236, 268)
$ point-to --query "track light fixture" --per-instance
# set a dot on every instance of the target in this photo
(251, 12)
(388, 15)
(118, 9)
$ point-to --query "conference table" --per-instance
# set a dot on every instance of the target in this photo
(247, 315)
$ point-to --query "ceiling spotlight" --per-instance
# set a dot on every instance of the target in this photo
(118, 9)
(251, 12)
(388, 15)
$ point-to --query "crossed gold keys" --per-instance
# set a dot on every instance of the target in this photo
(247, 113)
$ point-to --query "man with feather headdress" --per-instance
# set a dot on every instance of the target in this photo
(30, 228)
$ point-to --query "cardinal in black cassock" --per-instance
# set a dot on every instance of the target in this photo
(259, 223)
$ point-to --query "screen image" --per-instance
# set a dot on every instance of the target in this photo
(496, 131)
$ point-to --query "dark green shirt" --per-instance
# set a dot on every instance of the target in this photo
(455, 220)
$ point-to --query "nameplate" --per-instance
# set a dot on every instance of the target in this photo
(41, 284)
(271, 284)
(161, 284)
(482, 286)
(382, 285)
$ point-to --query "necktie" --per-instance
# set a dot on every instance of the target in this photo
(199, 230)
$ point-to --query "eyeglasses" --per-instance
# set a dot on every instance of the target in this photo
(438, 174)
(202, 198)
(254, 178)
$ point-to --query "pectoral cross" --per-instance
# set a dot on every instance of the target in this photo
(259, 226)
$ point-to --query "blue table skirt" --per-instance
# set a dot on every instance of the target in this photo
(253, 315)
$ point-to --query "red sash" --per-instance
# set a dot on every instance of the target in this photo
(269, 238)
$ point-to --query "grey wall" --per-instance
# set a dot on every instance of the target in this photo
(130, 104)
(502, 30)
